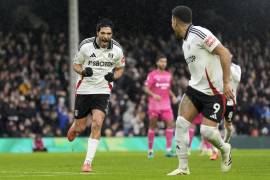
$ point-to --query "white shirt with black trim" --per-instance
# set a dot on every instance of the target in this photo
(205, 67)
(101, 61)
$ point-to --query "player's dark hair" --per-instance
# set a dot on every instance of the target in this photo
(159, 56)
(104, 23)
(183, 13)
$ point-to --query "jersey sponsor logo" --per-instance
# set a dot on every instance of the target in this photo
(162, 85)
(93, 55)
(100, 63)
(191, 59)
(210, 41)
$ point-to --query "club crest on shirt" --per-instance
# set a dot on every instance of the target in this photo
(190, 59)
(110, 55)
(210, 41)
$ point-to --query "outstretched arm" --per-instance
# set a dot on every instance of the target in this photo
(225, 60)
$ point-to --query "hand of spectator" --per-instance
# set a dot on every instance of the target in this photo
(87, 72)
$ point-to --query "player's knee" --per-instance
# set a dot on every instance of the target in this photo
(152, 125)
(96, 124)
(207, 131)
(203, 130)
(182, 123)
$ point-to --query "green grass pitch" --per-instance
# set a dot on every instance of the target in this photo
(247, 165)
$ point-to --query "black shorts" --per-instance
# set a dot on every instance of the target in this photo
(85, 103)
(212, 107)
(229, 113)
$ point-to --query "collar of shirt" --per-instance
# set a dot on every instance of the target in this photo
(187, 32)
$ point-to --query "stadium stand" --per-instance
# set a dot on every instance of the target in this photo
(34, 73)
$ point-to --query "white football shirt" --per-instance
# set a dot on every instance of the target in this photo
(205, 67)
(235, 78)
(101, 61)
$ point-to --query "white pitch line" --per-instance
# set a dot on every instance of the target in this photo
(48, 172)
(55, 173)
(17, 176)
(24, 174)
(41, 173)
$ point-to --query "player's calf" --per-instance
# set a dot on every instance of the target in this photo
(95, 131)
(98, 118)
(181, 137)
(228, 131)
(212, 135)
(226, 161)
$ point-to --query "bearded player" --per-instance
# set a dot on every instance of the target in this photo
(158, 89)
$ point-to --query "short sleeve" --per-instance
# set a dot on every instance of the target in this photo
(120, 59)
(236, 72)
(171, 80)
(149, 80)
(79, 58)
(210, 42)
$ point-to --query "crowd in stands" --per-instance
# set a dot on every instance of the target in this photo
(34, 78)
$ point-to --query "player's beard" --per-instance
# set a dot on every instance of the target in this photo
(161, 68)
(104, 43)
(177, 34)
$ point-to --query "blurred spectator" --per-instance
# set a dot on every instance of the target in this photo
(33, 74)
(34, 79)
(38, 144)
(62, 115)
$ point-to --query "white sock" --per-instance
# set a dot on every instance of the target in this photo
(212, 134)
(91, 150)
(228, 134)
(182, 138)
